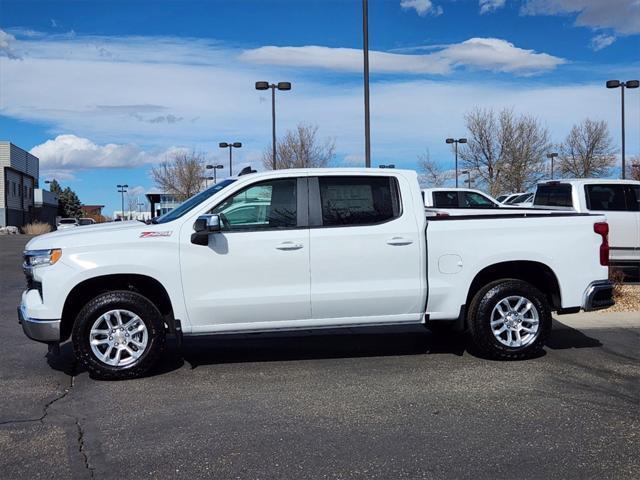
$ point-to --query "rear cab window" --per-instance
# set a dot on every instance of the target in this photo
(358, 201)
(553, 195)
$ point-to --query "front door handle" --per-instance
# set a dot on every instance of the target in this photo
(289, 246)
(399, 241)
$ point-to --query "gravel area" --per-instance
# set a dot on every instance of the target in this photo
(627, 299)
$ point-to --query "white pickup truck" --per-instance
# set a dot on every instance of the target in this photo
(619, 200)
(306, 249)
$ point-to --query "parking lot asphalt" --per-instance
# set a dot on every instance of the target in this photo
(360, 404)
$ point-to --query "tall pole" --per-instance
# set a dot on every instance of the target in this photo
(122, 196)
(456, 149)
(624, 168)
(273, 123)
(230, 161)
(365, 50)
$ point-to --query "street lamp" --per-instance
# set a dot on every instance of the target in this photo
(215, 167)
(230, 146)
(467, 172)
(122, 189)
(273, 87)
(456, 142)
(365, 54)
(551, 156)
(622, 85)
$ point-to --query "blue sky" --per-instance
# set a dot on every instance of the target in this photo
(102, 90)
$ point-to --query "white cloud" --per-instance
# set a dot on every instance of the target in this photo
(623, 16)
(487, 6)
(64, 84)
(491, 54)
(70, 153)
(422, 7)
(7, 42)
(601, 41)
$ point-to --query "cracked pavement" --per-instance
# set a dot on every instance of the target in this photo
(378, 403)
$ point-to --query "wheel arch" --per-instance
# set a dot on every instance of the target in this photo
(537, 274)
(144, 285)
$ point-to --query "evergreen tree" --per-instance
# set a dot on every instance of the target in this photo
(69, 204)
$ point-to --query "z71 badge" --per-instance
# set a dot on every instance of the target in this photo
(165, 233)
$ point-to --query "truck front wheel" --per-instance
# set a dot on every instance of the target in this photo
(509, 319)
(118, 335)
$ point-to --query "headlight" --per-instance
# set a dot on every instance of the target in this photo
(37, 258)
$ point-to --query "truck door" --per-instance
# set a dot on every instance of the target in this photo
(365, 251)
(257, 268)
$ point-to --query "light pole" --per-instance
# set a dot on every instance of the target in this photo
(230, 146)
(214, 168)
(467, 172)
(551, 156)
(623, 85)
(273, 86)
(365, 53)
(122, 189)
(455, 143)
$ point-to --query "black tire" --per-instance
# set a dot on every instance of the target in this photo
(483, 340)
(123, 300)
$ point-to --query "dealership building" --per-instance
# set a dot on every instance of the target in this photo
(19, 172)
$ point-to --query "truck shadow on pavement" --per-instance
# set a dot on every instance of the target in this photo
(352, 343)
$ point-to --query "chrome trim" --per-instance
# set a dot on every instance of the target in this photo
(592, 290)
(40, 330)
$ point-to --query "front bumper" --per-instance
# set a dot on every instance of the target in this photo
(47, 331)
(599, 295)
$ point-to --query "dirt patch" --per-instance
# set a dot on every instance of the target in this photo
(627, 299)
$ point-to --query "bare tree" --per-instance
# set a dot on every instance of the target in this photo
(587, 151)
(300, 148)
(181, 174)
(431, 173)
(505, 152)
(633, 168)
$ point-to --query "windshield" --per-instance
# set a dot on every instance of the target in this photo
(193, 202)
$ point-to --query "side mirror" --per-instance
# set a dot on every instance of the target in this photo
(203, 226)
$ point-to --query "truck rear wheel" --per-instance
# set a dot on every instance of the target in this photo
(509, 319)
(118, 335)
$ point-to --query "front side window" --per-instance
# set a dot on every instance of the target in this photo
(265, 205)
(445, 200)
(193, 202)
(475, 200)
(557, 195)
(606, 197)
(358, 200)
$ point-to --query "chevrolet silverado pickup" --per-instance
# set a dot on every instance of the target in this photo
(308, 249)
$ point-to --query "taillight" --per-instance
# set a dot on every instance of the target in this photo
(602, 229)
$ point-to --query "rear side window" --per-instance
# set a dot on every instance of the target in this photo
(358, 200)
(557, 195)
(445, 199)
(606, 197)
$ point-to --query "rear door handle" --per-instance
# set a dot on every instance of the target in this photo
(399, 241)
(289, 246)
